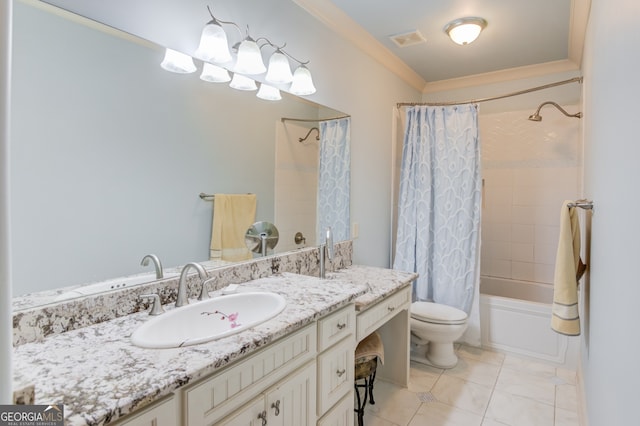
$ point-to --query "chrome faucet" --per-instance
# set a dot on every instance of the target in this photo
(156, 263)
(328, 247)
(182, 285)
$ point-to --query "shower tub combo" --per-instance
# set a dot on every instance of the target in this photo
(515, 316)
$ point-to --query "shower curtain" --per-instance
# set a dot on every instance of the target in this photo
(439, 208)
(334, 179)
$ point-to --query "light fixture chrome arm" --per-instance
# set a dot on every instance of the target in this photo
(280, 49)
(217, 21)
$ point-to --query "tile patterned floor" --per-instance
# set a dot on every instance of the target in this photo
(485, 389)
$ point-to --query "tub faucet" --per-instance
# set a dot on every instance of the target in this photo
(156, 263)
(182, 285)
(328, 247)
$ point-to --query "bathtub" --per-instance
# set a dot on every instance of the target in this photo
(515, 317)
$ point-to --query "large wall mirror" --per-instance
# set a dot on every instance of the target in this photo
(109, 154)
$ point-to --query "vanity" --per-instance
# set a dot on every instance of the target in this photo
(294, 369)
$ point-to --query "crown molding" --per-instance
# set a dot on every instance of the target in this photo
(493, 77)
(577, 29)
(339, 22)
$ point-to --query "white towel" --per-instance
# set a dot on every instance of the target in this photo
(569, 268)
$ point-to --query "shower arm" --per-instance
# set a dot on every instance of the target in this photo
(308, 133)
(537, 113)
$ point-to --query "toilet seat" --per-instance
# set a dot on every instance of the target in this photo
(436, 313)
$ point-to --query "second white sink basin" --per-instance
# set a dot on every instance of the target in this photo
(208, 320)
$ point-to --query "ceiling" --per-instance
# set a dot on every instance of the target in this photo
(523, 38)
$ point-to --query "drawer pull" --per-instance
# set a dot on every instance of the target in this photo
(340, 373)
(341, 326)
(263, 416)
(391, 308)
(276, 405)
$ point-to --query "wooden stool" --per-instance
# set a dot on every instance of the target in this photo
(366, 363)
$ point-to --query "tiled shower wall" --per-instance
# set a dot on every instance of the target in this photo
(529, 169)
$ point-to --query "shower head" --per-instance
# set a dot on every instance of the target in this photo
(537, 117)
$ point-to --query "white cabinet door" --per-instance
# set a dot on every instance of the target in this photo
(293, 401)
(335, 374)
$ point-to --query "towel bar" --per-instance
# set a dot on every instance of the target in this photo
(583, 204)
(210, 196)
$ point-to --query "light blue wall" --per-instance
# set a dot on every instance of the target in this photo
(347, 80)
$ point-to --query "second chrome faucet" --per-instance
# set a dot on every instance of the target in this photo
(182, 285)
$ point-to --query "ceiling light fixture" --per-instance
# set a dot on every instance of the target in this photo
(464, 31)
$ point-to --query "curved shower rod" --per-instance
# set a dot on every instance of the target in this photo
(537, 117)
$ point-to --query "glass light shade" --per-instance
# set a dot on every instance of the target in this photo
(214, 74)
(242, 82)
(268, 93)
(177, 62)
(302, 83)
(465, 30)
(249, 58)
(279, 71)
(213, 45)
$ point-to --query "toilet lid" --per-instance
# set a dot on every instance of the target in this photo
(437, 313)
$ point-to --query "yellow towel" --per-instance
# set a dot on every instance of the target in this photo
(565, 318)
(371, 346)
(233, 214)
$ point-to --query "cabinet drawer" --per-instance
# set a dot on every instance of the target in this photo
(371, 319)
(341, 414)
(162, 413)
(335, 327)
(335, 374)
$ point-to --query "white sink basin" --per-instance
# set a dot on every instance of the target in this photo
(208, 320)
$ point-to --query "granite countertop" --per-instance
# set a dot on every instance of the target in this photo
(380, 282)
(100, 376)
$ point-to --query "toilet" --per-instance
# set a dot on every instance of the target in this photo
(434, 328)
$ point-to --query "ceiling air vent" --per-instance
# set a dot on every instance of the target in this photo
(408, 39)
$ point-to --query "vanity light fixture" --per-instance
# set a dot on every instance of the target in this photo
(465, 30)
(214, 74)
(279, 71)
(302, 83)
(249, 57)
(214, 49)
(177, 62)
(268, 93)
(242, 82)
(214, 46)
